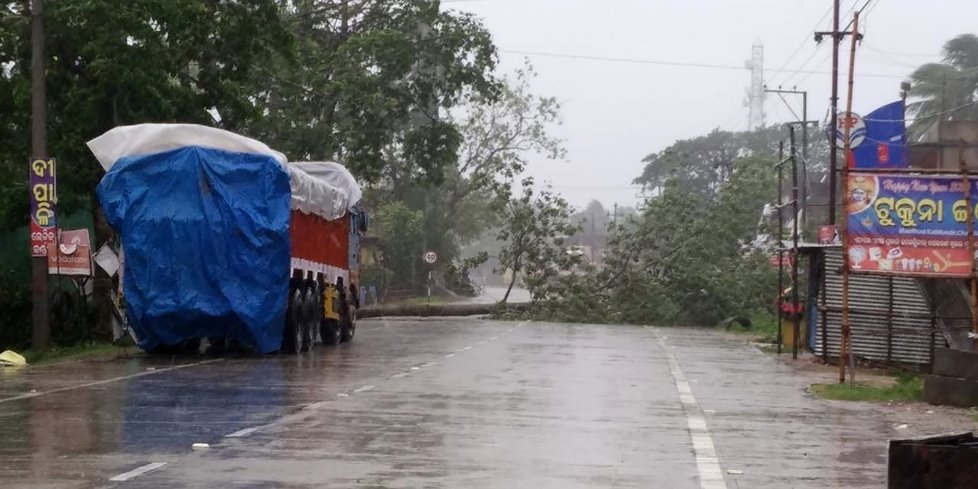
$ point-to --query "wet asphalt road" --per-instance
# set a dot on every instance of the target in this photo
(443, 403)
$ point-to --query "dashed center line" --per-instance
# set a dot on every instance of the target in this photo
(467, 348)
(364, 388)
(450, 355)
(241, 433)
(399, 375)
(137, 472)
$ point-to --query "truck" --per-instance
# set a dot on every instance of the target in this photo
(223, 239)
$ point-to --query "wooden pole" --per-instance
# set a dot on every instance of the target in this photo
(780, 240)
(39, 141)
(970, 215)
(844, 231)
(795, 326)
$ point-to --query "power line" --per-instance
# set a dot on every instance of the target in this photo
(676, 63)
(625, 60)
(804, 42)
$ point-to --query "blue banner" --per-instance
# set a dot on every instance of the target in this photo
(885, 141)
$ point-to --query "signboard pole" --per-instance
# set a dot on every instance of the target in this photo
(966, 181)
(780, 239)
(796, 317)
(844, 343)
(39, 264)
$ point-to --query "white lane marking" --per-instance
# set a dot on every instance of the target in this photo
(467, 348)
(364, 388)
(107, 381)
(494, 338)
(137, 472)
(707, 461)
(342, 394)
(428, 364)
(450, 355)
(415, 368)
(399, 375)
(241, 433)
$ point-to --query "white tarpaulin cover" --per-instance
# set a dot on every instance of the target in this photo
(336, 175)
(312, 195)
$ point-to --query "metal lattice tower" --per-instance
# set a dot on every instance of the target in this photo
(755, 96)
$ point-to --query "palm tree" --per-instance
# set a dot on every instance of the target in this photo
(943, 91)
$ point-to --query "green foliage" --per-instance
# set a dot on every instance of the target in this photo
(953, 83)
(703, 164)
(457, 275)
(497, 134)
(366, 82)
(906, 388)
(688, 258)
(535, 225)
(400, 230)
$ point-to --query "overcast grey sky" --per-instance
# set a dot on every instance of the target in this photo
(615, 113)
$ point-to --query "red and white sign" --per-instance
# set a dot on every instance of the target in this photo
(788, 260)
(73, 254)
(828, 235)
(430, 257)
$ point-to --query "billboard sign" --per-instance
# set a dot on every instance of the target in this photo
(909, 225)
(43, 205)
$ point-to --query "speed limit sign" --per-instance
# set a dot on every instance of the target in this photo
(430, 257)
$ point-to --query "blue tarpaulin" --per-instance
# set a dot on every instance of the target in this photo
(205, 234)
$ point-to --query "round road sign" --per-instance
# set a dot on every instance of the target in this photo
(430, 257)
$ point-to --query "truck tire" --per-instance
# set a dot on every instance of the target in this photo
(349, 326)
(305, 332)
(292, 334)
(329, 330)
(315, 316)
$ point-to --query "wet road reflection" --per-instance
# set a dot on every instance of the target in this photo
(440, 403)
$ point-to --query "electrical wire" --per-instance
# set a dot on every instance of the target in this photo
(804, 42)
(676, 63)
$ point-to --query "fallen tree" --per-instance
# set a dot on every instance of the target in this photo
(431, 310)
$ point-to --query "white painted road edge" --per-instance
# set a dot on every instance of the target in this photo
(241, 433)
(107, 381)
(707, 461)
(137, 472)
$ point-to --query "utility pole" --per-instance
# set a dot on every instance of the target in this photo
(833, 146)
(39, 142)
(804, 143)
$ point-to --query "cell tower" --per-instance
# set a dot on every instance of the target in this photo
(755, 96)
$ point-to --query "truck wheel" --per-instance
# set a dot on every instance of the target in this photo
(315, 317)
(349, 326)
(292, 336)
(305, 331)
(329, 329)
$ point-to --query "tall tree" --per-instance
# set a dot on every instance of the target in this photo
(498, 135)
(947, 88)
(535, 225)
(368, 81)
